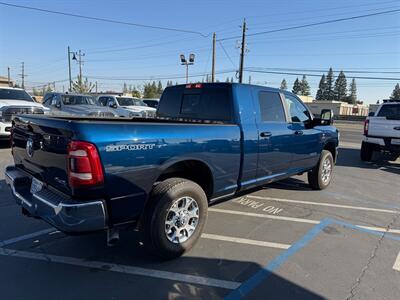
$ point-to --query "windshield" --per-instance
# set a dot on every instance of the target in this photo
(123, 101)
(15, 95)
(390, 111)
(77, 100)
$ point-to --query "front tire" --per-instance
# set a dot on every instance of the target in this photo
(366, 152)
(320, 176)
(175, 218)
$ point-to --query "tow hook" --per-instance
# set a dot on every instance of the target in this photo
(112, 237)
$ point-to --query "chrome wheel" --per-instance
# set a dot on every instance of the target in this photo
(181, 220)
(326, 170)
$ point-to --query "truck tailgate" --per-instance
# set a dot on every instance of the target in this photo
(39, 147)
(382, 127)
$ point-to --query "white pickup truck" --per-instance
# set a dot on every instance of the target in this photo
(382, 130)
(14, 101)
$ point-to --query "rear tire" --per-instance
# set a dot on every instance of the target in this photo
(175, 218)
(366, 152)
(320, 176)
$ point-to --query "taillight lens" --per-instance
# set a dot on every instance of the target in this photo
(366, 125)
(84, 165)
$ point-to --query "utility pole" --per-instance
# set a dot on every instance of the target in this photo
(242, 51)
(213, 59)
(8, 76)
(69, 69)
(23, 75)
(96, 87)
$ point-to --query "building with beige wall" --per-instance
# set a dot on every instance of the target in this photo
(4, 81)
(339, 108)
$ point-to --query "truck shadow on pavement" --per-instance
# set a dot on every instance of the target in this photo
(130, 253)
(385, 162)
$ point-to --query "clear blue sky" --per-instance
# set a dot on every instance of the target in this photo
(118, 51)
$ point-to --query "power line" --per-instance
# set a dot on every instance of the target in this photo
(315, 24)
(103, 19)
(321, 70)
(157, 77)
(226, 53)
(317, 75)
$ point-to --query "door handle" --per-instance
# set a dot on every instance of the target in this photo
(298, 132)
(265, 134)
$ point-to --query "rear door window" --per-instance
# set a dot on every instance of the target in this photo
(271, 107)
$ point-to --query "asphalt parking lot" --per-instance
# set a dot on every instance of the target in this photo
(284, 241)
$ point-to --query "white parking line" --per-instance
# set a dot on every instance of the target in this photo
(244, 241)
(325, 204)
(192, 279)
(350, 145)
(26, 236)
(290, 219)
(396, 265)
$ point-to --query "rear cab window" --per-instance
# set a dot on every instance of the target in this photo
(390, 111)
(197, 101)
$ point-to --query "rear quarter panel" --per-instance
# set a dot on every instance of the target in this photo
(134, 155)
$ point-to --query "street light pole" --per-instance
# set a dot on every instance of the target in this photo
(187, 63)
(69, 69)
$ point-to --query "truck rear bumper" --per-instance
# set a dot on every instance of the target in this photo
(383, 144)
(64, 213)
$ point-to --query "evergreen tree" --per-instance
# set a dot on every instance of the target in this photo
(150, 90)
(125, 89)
(81, 86)
(321, 93)
(249, 79)
(304, 87)
(296, 87)
(283, 84)
(340, 89)
(353, 92)
(396, 93)
(329, 92)
(227, 79)
(160, 89)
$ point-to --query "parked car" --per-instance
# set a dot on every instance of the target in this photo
(151, 102)
(210, 141)
(65, 104)
(382, 130)
(127, 106)
(15, 101)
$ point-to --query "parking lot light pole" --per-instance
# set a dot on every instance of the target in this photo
(69, 69)
(187, 63)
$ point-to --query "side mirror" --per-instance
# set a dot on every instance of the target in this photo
(326, 117)
(58, 105)
(34, 98)
(371, 114)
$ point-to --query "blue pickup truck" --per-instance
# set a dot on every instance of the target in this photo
(208, 141)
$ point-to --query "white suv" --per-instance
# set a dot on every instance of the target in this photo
(127, 106)
(382, 130)
(15, 101)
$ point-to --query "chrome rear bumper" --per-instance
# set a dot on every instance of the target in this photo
(64, 213)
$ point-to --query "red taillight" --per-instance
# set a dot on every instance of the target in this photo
(84, 165)
(366, 125)
(194, 86)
